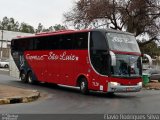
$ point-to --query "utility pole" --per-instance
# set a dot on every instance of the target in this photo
(2, 43)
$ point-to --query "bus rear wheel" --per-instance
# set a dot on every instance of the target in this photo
(84, 86)
(23, 77)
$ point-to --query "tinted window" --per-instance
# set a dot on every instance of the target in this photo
(22, 44)
(53, 42)
(14, 45)
(99, 53)
(40, 43)
(81, 41)
(98, 41)
(66, 42)
(122, 42)
(30, 45)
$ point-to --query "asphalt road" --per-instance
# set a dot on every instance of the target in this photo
(65, 100)
(4, 71)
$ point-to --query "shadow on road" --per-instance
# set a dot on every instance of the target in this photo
(61, 89)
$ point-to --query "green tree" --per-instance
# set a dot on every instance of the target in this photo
(24, 27)
(9, 24)
(151, 49)
(5, 23)
(59, 27)
(13, 25)
(56, 27)
(39, 28)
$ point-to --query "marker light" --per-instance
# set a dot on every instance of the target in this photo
(114, 83)
(140, 84)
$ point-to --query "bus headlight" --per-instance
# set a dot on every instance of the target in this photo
(114, 84)
(140, 84)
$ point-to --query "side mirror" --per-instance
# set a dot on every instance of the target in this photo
(149, 58)
(113, 58)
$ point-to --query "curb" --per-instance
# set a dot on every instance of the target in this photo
(13, 100)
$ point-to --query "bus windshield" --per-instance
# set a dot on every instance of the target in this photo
(122, 42)
(127, 66)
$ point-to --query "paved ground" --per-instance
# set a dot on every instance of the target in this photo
(4, 71)
(66, 100)
(69, 101)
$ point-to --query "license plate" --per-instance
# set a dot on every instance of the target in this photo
(129, 89)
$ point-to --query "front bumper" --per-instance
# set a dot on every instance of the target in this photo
(122, 88)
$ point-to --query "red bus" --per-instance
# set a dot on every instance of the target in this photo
(96, 59)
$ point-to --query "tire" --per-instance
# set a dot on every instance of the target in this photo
(30, 78)
(23, 77)
(84, 86)
(6, 66)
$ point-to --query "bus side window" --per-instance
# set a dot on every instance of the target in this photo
(53, 42)
(40, 43)
(66, 42)
(30, 44)
(25, 44)
(14, 45)
(81, 41)
(37, 44)
(19, 45)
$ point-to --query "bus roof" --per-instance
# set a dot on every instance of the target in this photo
(60, 32)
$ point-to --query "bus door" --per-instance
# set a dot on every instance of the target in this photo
(99, 57)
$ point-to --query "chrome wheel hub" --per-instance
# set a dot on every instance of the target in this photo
(23, 76)
(82, 85)
(29, 79)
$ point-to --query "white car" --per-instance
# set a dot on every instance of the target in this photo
(4, 64)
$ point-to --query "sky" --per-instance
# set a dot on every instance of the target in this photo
(47, 12)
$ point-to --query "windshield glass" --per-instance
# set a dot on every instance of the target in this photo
(127, 66)
(122, 42)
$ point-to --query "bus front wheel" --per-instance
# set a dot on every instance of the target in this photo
(84, 86)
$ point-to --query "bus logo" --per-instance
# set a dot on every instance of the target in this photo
(53, 56)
